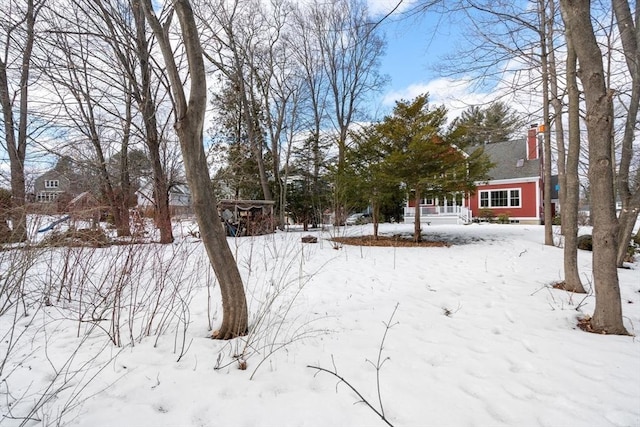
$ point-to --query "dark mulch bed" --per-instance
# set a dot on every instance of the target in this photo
(393, 241)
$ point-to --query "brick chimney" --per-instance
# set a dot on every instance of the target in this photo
(532, 142)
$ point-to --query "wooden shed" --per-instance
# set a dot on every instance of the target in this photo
(247, 217)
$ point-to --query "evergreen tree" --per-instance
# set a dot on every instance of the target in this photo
(423, 157)
(367, 183)
(494, 123)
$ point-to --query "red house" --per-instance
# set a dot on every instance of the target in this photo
(515, 185)
(514, 188)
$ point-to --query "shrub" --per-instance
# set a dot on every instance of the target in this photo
(486, 214)
(503, 218)
(82, 237)
(585, 242)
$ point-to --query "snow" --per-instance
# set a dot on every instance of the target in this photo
(478, 336)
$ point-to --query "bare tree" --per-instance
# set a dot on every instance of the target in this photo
(279, 87)
(628, 182)
(239, 32)
(189, 127)
(607, 317)
(567, 160)
(18, 34)
(511, 43)
(95, 103)
(351, 48)
(125, 31)
(253, 50)
(307, 51)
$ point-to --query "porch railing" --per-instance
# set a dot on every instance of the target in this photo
(461, 212)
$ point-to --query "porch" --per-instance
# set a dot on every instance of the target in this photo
(439, 214)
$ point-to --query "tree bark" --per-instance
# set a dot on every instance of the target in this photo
(417, 232)
(571, 189)
(375, 218)
(607, 317)
(546, 143)
(189, 127)
(557, 104)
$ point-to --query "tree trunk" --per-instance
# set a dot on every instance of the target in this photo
(109, 193)
(162, 214)
(627, 219)
(546, 143)
(417, 232)
(375, 218)
(571, 189)
(557, 104)
(122, 195)
(17, 146)
(235, 318)
(607, 317)
(189, 127)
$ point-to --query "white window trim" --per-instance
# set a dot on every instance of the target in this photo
(51, 183)
(508, 190)
(47, 196)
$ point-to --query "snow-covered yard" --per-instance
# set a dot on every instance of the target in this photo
(475, 336)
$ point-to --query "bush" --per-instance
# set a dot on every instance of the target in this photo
(486, 214)
(585, 242)
(503, 218)
(84, 237)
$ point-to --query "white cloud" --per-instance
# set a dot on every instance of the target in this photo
(456, 94)
(383, 7)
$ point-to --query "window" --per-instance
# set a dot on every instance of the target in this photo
(514, 198)
(484, 199)
(51, 183)
(500, 198)
(44, 197)
(428, 201)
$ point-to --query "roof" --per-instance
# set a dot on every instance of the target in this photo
(52, 173)
(510, 160)
(85, 197)
(244, 204)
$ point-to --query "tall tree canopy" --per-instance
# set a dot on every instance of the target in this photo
(425, 158)
(496, 122)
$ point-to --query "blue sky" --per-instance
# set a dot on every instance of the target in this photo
(415, 45)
